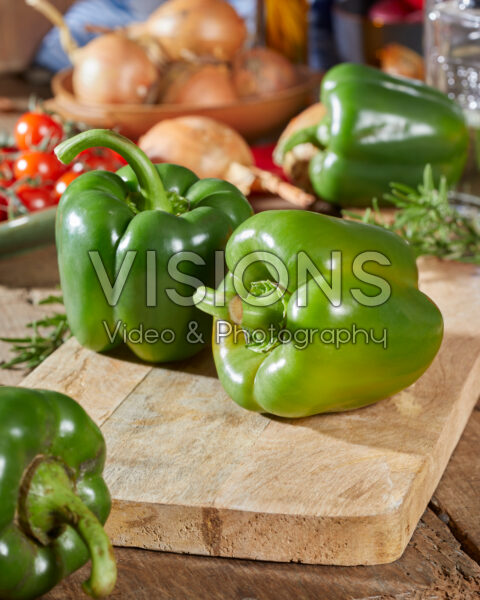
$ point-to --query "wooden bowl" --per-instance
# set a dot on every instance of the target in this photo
(253, 118)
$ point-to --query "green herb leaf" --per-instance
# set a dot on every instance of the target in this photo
(52, 300)
(48, 334)
(428, 221)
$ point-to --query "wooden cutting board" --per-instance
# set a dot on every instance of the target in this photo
(191, 472)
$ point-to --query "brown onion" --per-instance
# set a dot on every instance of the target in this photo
(110, 69)
(199, 85)
(196, 27)
(113, 69)
(212, 149)
(262, 71)
(201, 144)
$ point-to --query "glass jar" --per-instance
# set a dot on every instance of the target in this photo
(452, 56)
(452, 39)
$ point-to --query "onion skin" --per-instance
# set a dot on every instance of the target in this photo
(112, 69)
(205, 85)
(262, 71)
(203, 28)
(201, 144)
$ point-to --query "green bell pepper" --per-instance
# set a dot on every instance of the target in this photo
(52, 495)
(126, 228)
(380, 129)
(291, 341)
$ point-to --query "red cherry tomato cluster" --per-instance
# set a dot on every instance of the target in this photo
(36, 198)
(31, 173)
(7, 178)
(31, 164)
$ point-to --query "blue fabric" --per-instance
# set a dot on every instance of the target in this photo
(105, 13)
(322, 50)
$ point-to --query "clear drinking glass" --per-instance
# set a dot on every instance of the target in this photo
(452, 55)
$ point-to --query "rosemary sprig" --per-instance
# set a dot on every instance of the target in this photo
(428, 221)
(48, 334)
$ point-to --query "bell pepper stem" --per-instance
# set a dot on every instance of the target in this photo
(207, 300)
(149, 180)
(263, 307)
(48, 502)
(303, 136)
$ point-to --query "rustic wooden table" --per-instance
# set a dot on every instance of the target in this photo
(442, 560)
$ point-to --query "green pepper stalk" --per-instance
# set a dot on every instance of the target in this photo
(149, 181)
(53, 499)
(262, 308)
(48, 502)
(260, 315)
(130, 227)
(207, 300)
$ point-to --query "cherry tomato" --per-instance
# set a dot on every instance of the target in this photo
(36, 198)
(64, 181)
(102, 159)
(79, 168)
(35, 130)
(121, 161)
(38, 164)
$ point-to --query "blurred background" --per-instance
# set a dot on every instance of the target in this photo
(320, 32)
(439, 42)
(154, 70)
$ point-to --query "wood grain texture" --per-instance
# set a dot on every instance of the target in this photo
(457, 498)
(432, 568)
(192, 472)
(24, 281)
(102, 382)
